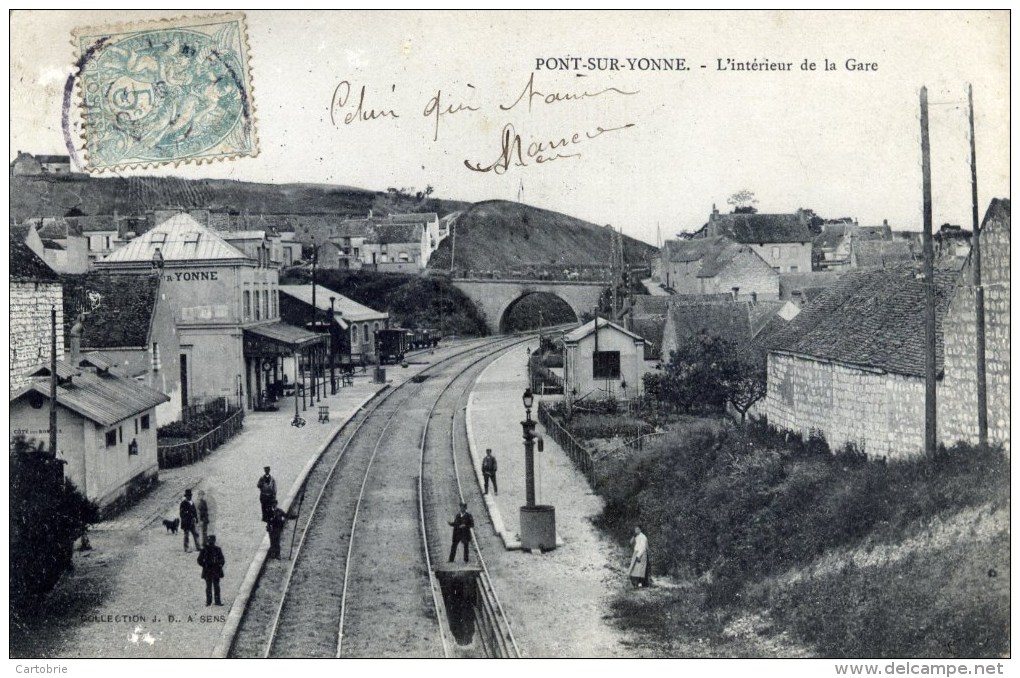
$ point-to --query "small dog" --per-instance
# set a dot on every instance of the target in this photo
(172, 525)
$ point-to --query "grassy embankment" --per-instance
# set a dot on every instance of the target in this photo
(777, 548)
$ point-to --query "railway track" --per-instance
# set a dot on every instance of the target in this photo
(302, 607)
(476, 616)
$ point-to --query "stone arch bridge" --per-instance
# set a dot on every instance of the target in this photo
(495, 298)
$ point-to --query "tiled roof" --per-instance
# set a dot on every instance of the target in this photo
(873, 318)
(646, 305)
(878, 253)
(179, 238)
(830, 237)
(745, 323)
(104, 398)
(588, 328)
(714, 253)
(121, 308)
(53, 158)
(650, 329)
(26, 265)
(762, 228)
(347, 308)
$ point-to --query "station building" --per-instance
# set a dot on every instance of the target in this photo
(225, 305)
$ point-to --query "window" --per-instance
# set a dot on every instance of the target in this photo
(356, 253)
(155, 357)
(265, 305)
(247, 304)
(404, 257)
(606, 364)
(133, 447)
(366, 332)
(775, 252)
(145, 422)
(776, 269)
(794, 269)
(111, 438)
(276, 312)
(136, 427)
(258, 312)
(120, 433)
(354, 334)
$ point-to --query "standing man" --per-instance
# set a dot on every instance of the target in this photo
(203, 516)
(275, 524)
(462, 525)
(189, 516)
(267, 494)
(640, 564)
(489, 472)
(212, 561)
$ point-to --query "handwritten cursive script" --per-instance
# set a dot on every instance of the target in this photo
(341, 97)
(529, 94)
(513, 152)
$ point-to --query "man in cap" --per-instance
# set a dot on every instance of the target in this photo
(277, 521)
(267, 494)
(189, 516)
(489, 471)
(462, 525)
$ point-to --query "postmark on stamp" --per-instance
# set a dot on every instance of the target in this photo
(165, 92)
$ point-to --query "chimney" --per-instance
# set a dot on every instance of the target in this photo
(75, 339)
(736, 293)
(754, 297)
(798, 297)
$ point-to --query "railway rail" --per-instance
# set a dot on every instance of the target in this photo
(301, 607)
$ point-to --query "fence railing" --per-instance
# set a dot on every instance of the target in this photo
(577, 452)
(206, 406)
(635, 445)
(543, 380)
(182, 454)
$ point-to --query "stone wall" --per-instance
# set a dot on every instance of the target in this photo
(881, 413)
(31, 326)
(957, 403)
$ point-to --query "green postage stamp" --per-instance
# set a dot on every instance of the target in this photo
(165, 92)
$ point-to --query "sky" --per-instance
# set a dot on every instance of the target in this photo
(653, 151)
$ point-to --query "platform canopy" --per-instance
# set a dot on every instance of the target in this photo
(276, 339)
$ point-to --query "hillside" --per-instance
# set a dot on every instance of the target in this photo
(499, 235)
(56, 196)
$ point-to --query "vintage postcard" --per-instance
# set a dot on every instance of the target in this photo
(432, 334)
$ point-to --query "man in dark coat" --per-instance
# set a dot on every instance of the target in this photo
(189, 517)
(275, 524)
(267, 494)
(489, 471)
(212, 561)
(462, 525)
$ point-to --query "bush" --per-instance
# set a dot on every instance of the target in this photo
(725, 504)
(47, 515)
(590, 426)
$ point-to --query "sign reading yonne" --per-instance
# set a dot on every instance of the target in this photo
(189, 276)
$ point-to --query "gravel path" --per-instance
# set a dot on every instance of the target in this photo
(558, 602)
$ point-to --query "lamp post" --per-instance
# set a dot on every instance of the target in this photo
(529, 448)
(538, 523)
(332, 347)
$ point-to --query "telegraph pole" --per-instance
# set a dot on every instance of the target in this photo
(53, 381)
(979, 292)
(930, 413)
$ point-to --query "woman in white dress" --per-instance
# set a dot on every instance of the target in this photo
(640, 565)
